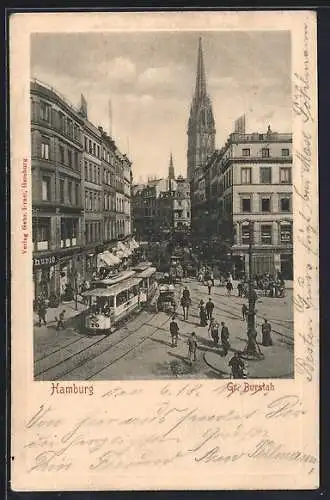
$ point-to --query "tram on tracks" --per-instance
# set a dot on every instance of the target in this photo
(107, 305)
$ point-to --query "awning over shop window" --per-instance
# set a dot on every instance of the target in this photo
(108, 259)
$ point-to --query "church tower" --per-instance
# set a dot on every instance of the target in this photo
(201, 126)
(171, 175)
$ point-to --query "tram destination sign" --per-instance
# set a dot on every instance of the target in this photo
(49, 260)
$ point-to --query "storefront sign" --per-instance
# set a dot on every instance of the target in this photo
(50, 260)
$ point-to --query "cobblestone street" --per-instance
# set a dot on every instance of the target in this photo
(141, 347)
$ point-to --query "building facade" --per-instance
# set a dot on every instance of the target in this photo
(57, 201)
(78, 176)
(93, 192)
(161, 208)
(201, 125)
(249, 192)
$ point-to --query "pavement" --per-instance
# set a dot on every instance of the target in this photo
(141, 349)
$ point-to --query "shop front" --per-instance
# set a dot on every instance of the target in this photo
(44, 276)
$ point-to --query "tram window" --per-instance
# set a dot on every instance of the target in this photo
(121, 298)
(131, 293)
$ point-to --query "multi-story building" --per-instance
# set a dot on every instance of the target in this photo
(181, 205)
(81, 190)
(109, 188)
(162, 207)
(92, 178)
(249, 191)
(57, 209)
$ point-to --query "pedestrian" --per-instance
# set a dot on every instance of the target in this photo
(244, 311)
(42, 310)
(229, 287)
(192, 347)
(209, 308)
(60, 320)
(266, 330)
(185, 307)
(237, 366)
(209, 285)
(240, 289)
(202, 314)
(174, 331)
(212, 277)
(225, 338)
(214, 331)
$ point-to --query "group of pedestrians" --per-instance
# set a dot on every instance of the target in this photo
(42, 313)
(191, 342)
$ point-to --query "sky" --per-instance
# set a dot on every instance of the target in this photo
(150, 79)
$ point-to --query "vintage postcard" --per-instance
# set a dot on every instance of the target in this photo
(165, 307)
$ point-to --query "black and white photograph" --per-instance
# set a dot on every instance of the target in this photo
(162, 205)
(164, 241)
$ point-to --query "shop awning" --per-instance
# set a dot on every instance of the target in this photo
(108, 259)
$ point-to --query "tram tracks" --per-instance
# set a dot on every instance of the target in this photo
(87, 355)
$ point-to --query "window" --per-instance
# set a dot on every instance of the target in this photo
(41, 233)
(70, 128)
(285, 204)
(266, 234)
(61, 154)
(265, 152)
(45, 189)
(86, 200)
(90, 177)
(247, 230)
(98, 151)
(94, 149)
(265, 175)
(70, 192)
(246, 152)
(45, 150)
(86, 143)
(86, 171)
(265, 204)
(61, 191)
(286, 233)
(90, 148)
(69, 158)
(285, 175)
(246, 204)
(285, 152)
(98, 176)
(95, 175)
(246, 175)
(77, 195)
(44, 111)
(76, 160)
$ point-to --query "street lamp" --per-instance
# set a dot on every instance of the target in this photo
(252, 346)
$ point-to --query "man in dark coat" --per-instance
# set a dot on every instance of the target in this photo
(225, 338)
(42, 310)
(174, 331)
(209, 308)
(237, 366)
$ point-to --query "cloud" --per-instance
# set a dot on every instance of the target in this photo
(121, 69)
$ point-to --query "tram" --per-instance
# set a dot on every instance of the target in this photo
(108, 305)
(148, 284)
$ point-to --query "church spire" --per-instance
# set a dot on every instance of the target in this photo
(200, 76)
(171, 175)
